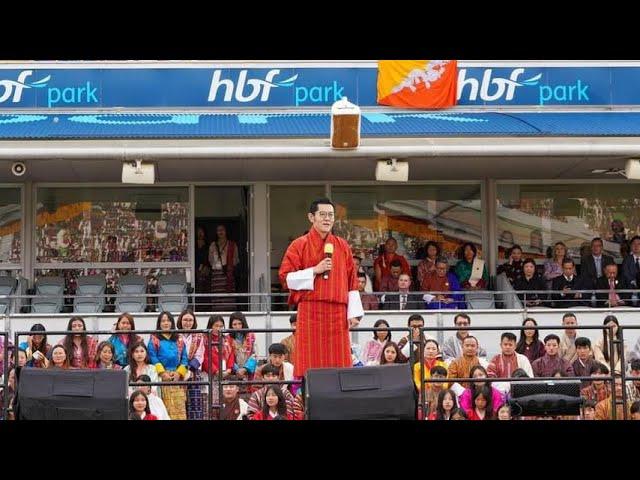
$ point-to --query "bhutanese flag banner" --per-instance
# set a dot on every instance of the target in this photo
(417, 83)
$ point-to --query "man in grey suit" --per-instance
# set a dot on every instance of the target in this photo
(592, 266)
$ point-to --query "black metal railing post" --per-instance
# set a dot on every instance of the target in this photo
(5, 375)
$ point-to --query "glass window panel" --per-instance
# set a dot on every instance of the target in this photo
(535, 216)
(10, 225)
(112, 225)
(413, 214)
(288, 218)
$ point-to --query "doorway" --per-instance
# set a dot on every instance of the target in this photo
(221, 267)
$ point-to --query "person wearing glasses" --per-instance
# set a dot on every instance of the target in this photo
(319, 271)
(452, 346)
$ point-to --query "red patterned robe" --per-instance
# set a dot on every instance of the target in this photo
(322, 332)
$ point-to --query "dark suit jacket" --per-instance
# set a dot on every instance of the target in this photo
(536, 283)
(392, 302)
(568, 301)
(629, 272)
(603, 298)
(588, 266)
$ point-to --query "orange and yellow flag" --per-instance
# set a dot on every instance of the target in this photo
(417, 83)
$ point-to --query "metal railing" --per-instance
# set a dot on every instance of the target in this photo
(268, 331)
(278, 301)
(219, 379)
(613, 342)
(130, 383)
(5, 374)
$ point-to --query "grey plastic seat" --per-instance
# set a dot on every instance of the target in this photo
(90, 294)
(53, 287)
(131, 285)
(170, 285)
(7, 287)
(172, 304)
(509, 300)
(480, 300)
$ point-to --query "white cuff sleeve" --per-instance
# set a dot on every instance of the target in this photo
(354, 308)
(457, 389)
(300, 280)
(406, 350)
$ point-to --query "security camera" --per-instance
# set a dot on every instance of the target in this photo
(632, 169)
(18, 169)
(392, 170)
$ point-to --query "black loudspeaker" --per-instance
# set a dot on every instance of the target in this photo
(560, 397)
(53, 394)
(367, 393)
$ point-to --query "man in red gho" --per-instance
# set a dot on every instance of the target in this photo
(383, 263)
(325, 290)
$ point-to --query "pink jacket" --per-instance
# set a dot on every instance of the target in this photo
(465, 399)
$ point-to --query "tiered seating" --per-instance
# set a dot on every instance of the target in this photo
(53, 287)
(174, 284)
(93, 285)
(7, 287)
(131, 285)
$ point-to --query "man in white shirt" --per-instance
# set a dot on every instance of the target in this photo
(568, 339)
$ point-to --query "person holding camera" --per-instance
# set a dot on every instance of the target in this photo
(37, 348)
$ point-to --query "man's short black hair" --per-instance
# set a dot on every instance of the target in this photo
(582, 342)
(569, 314)
(552, 336)
(293, 318)
(396, 263)
(461, 315)
(598, 367)
(568, 260)
(272, 369)
(415, 316)
(509, 336)
(313, 208)
(438, 370)
(635, 407)
(277, 349)
(635, 364)
(144, 378)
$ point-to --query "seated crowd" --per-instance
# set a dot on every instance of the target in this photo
(555, 284)
(462, 357)
(438, 370)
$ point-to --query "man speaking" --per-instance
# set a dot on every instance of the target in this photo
(319, 271)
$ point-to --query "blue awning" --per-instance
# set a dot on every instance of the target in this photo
(310, 125)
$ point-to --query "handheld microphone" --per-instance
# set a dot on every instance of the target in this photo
(328, 253)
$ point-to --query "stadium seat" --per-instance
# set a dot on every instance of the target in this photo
(53, 288)
(90, 294)
(7, 287)
(131, 285)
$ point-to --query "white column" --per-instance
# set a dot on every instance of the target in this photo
(489, 212)
(259, 244)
